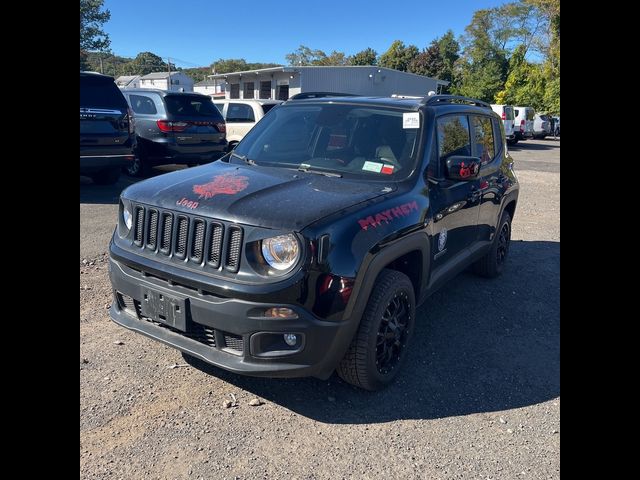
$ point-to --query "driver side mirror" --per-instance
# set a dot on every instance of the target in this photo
(462, 167)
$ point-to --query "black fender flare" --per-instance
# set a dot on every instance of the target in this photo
(377, 259)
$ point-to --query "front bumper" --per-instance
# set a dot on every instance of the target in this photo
(227, 332)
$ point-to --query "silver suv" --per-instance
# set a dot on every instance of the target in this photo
(175, 127)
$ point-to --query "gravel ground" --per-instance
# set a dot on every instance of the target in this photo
(479, 396)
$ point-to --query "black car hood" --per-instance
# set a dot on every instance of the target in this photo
(254, 195)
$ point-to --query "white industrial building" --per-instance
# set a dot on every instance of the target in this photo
(280, 83)
(180, 82)
(213, 88)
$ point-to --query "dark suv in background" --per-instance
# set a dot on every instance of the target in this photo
(106, 129)
(175, 127)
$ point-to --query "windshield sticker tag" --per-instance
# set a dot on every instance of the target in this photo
(372, 166)
(411, 120)
(387, 169)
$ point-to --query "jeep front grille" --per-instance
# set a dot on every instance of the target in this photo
(193, 241)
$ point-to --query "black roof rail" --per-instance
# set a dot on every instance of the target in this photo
(434, 99)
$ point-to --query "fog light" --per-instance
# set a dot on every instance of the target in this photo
(290, 339)
(280, 312)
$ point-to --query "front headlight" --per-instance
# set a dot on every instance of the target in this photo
(281, 252)
(127, 216)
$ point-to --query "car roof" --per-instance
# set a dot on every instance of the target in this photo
(86, 73)
(164, 93)
(261, 101)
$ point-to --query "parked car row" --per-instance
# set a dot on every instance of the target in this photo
(136, 129)
(521, 123)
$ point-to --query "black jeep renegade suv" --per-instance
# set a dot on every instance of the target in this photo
(307, 249)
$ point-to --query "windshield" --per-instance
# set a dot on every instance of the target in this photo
(352, 140)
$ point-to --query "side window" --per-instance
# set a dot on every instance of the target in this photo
(483, 139)
(453, 137)
(239, 112)
(497, 133)
(143, 105)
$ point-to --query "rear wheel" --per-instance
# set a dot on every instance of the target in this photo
(379, 346)
(108, 176)
(492, 264)
(140, 166)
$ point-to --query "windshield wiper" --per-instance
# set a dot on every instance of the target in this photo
(244, 158)
(319, 172)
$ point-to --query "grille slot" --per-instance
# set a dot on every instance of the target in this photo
(167, 226)
(232, 261)
(197, 244)
(139, 232)
(215, 247)
(181, 237)
(152, 229)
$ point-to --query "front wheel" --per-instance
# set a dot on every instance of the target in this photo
(379, 347)
(492, 264)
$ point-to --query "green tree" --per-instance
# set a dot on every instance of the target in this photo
(428, 62)
(230, 65)
(398, 56)
(526, 83)
(449, 53)
(483, 67)
(333, 59)
(146, 62)
(367, 56)
(92, 17)
(305, 56)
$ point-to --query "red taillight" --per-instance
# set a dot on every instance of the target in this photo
(167, 126)
(221, 126)
(504, 116)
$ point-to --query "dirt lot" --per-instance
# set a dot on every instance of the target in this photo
(479, 396)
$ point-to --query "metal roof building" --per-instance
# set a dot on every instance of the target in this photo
(283, 82)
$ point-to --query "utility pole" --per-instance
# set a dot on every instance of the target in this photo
(169, 67)
(101, 69)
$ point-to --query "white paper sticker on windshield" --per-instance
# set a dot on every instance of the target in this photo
(372, 166)
(411, 120)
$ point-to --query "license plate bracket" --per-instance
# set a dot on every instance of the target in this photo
(170, 310)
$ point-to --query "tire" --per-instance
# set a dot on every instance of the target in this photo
(106, 177)
(372, 365)
(512, 142)
(492, 264)
(140, 166)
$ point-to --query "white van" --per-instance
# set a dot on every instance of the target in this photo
(507, 114)
(524, 122)
(241, 115)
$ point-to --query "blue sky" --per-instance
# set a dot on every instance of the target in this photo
(197, 32)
